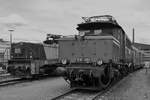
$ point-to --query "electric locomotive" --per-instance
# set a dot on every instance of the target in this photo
(98, 55)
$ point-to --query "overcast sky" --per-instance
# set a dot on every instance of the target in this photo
(33, 19)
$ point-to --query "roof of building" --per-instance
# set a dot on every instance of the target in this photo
(142, 46)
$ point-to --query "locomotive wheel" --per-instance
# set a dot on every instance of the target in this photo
(104, 81)
(72, 85)
(116, 76)
(28, 73)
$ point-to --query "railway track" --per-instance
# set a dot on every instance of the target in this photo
(77, 94)
(5, 76)
(8, 79)
(82, 94)
(86, 94)
(11, 82)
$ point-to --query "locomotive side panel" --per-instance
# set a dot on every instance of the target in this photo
(122, 50)
(93, 49)
(116, 52)
(24, 50)
(128, 55)
(51, 52)
(104, 49)
(137, 58)
(65, 49)
(31, 58)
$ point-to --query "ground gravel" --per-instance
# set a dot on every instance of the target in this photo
(136, 86)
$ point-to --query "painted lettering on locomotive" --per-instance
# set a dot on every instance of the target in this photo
(99, 54)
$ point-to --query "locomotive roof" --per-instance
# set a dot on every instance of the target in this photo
(102, 18)
(25, 43)
(95, 22)
(34, 44)
(97, 25)
(36, 48)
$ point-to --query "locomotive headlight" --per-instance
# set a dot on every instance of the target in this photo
(81, 33)
(11, 56)
(64, 61)
(79, 59)
(99, 62)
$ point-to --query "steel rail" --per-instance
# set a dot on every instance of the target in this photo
(11, 82)
(76, 94)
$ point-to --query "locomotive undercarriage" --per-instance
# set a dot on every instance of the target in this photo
(95, 76)
(29, 71)
(20, 71)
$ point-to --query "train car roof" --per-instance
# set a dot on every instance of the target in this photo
(21, 43)
(97, 25)
(36, 48)
(95, 22)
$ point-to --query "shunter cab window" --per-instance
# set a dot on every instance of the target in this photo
(96, 32)
(18, 61)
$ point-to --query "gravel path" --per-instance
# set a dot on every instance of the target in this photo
(136, 86)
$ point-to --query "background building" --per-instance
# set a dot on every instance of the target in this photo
(146, 49)
(4, 52)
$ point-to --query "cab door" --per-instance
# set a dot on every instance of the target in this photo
(33, 68)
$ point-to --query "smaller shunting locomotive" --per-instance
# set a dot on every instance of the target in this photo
(99, 54)
(32, 59)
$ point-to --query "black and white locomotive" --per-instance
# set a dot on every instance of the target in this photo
(99, 54)
(34, 59)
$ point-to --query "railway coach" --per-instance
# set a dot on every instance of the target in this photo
(99, 54)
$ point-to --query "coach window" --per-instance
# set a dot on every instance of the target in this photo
(84, 32)
(98, 32)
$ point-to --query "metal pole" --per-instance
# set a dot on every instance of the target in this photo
(10, 40)
(133, 37)
(133, 45)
